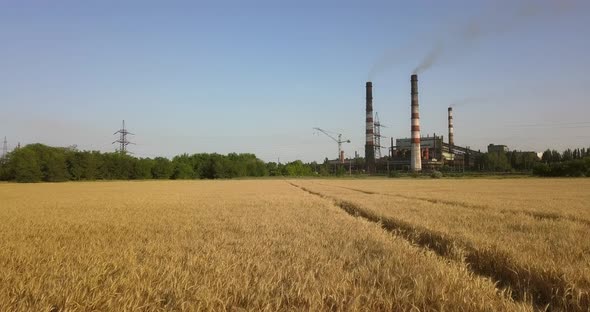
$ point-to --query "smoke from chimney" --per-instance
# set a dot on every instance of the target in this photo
(451, 137)
(430, 59)
(501, 18)
(416, 157)
(369, 145)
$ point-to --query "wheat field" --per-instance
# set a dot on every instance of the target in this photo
(313, 245)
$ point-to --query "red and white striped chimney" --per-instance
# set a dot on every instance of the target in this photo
(416, 159)
(451, 136)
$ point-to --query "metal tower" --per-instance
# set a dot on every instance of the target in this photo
(123, 142)
(339, 140)
(377, 124)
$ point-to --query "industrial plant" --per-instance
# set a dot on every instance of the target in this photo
(428, 152)
(414, 153)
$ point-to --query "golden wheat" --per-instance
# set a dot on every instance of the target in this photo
(215, 245)
(530, 235)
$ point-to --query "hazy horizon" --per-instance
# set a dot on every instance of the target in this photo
(229, 77)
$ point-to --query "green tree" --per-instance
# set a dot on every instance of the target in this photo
(202, 166)
(555, 156)
(182, 170)
(24, 166)
(496, 162)
(542, 169)
(273, 169)
(298, 168)
(567, 155)
(116, 166)
(74, 165)
(183, 167)
(341, 170)
(221, 167)
(52, 161)
(162, 168)
(91, 163)
(546, 158)
(142, 169)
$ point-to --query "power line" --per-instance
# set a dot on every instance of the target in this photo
(123, 142)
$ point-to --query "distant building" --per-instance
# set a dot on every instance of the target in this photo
(430, 146)
(493, 148)
(435, 154)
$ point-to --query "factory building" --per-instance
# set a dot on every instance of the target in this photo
(434, 152)
(493, 148)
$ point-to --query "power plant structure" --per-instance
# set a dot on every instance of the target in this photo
(370, 138)
(429, 152)
(414, 153)
(417, 152)
(451, 136)
(377, 125)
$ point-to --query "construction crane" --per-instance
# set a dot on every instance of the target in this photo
(339, 140)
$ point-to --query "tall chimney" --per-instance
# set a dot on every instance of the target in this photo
(369, 145)
(416, 159)
(451, 136)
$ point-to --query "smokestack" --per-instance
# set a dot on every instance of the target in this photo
(451, 136)
(369, 145)
(416, 159)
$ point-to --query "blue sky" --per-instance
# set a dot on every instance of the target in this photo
(257, 76)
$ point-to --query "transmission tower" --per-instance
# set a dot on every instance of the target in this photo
(123, 142)
(4, 150)
(377, 133)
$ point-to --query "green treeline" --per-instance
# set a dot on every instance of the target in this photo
(38, 162)
(507, 161)
(571, 163)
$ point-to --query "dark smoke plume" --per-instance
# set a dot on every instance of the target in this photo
(386, 61)
(389, 59)
(430, 59)
(503, 17)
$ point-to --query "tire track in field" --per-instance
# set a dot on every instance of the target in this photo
(535, 214)
(547, 290)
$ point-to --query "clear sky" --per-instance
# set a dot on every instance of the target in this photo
(257, 76)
